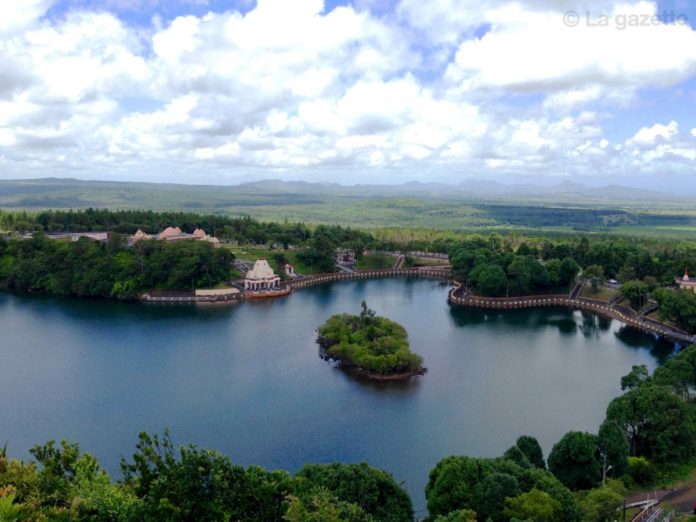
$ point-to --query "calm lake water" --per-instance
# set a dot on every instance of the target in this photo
(247, 379)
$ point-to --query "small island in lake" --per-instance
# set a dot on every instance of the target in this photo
(372, 346)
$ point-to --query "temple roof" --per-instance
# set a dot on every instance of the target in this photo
(261, 270)
(170, 232)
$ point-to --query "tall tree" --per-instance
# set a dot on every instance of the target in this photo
(574, 460)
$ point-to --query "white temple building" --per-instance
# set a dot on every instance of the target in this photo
(686, 283)
(261, 277)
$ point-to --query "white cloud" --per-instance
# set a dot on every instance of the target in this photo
(648, 136)
(16, 16)
(298, 88)
(536, 51)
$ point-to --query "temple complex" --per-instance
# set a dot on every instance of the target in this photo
(175, 234)
(684, 283)
(261, 278)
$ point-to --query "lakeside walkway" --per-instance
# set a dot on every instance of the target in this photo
(318, 279)
(459, 296)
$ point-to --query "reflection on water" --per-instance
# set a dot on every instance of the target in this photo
(567, 322)
(565, 325)
(247, 379)
(391, 387)
(661, 349)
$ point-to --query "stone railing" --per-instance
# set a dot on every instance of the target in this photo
(458, 297)
(192, 298)
(303, 282)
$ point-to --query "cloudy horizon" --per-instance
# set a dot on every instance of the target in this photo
(368, 91)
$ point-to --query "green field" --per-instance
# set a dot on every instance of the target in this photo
(253, 252)
(383, 209)
(375, 262)
(602, 293)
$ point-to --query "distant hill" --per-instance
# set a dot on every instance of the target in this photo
(565, 191)
(473, 203)
(73, 193)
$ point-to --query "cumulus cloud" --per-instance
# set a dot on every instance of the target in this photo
(364, 89)
(538, 51)
(17, 16)
(649, 136)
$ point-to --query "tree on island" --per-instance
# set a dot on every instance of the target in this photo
(372, 345)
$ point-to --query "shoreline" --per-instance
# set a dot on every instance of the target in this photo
(362, 372)
(599, 308)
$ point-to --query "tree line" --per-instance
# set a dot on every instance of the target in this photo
(164, 483)
(243, 230)
(113, 269)
(86, 268)
(498, 266)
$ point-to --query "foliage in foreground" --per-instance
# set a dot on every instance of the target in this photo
(649, 431)
(191, 484)
(369, 343)
(499, 489)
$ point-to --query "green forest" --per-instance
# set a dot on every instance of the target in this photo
(648, 436)
(443, 207)
(647, 439)
(369, 343)
(164, 483)
(114, 269)
(499, 266)
(86, 268)
(495, 265)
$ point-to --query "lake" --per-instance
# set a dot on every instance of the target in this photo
(247, 379)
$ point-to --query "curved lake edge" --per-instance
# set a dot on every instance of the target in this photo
(219, 354)
(456, 296)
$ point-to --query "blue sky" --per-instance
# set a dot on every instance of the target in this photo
(366, 91)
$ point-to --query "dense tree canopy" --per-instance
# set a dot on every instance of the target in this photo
(678, 307)
(657, 423)
(534, 505)
(86, 268)
(163, 483)
(531, 449)
(460, 482)
(498, 266)
(368, 343)
(574, 460)
(372, 489)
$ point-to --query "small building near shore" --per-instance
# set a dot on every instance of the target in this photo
(100, 237)
(345, 257)
(685, 283)
(289, 270)
(221, 294)
(261, 277)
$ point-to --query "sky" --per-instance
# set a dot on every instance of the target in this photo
(361, 91)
